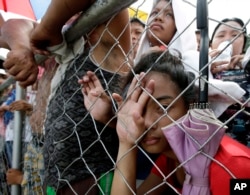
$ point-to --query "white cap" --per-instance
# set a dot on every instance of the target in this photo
(3, 53)
(2, 71)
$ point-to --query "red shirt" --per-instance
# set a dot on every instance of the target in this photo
(233, 155)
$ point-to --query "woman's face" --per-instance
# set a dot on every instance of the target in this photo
(164, 93)
(225, 33)
(161, 24)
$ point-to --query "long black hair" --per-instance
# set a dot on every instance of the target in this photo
(166, 63)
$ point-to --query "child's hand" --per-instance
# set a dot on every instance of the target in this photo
(97, 102)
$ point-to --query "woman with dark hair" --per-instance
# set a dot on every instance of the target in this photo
(234, 31)
(159, 91)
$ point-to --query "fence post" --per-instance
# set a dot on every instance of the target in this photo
(17, 142)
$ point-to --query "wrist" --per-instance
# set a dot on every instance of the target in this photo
(127, 146)
(126, 151)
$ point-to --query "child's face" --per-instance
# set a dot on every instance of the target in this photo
(136, 32)
(225, 33)
(165, 92)
(161, 24)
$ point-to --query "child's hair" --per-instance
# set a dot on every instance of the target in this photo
(137, 20)
(166, 63)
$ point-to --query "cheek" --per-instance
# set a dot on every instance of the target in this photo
(168, 33)
(164, 121)
(137, 36)
(170, 26)
(238, 47)
(164, 143)
(160, 147)
(215, 44)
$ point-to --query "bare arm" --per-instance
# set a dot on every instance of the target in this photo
(16, 33)
(149, 183)
(119, 27)
(124, 181)
(60, 11)
(3, 43)
(48, 32)
(114, 42)
(20, 61)
(130, 126)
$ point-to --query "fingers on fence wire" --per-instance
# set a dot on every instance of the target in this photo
(96, 100)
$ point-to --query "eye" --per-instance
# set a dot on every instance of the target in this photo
(161, 109)
(169, 14)
(154, 13)
(138, 32)
(220, 36)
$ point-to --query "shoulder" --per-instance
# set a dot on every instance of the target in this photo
(230, 149)
(234, 156)
(231, 161)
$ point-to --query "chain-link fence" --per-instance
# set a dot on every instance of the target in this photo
(74, 144)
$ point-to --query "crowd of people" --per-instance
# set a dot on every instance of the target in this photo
(102, 112)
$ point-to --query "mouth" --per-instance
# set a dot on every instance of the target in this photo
(156, 27)
(150, 140)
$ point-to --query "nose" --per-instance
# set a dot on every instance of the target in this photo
(133, 35)
(228, 38)
(159, 16)
(150, 121)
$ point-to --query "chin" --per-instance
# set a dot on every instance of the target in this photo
(152, 149)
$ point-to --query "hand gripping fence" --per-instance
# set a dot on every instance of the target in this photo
(101, 9)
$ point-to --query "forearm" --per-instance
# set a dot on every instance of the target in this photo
(125, 172)
(60, 11)
(15, 33)
(3, 43)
